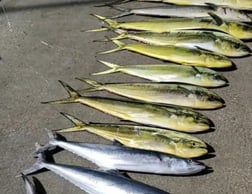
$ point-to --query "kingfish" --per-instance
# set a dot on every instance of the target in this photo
(188, 12)
(170, 72)
(93, 181)
(143, 137)
(217, 42)
(182, 55)
(236, 29)
(172, 117)
(177, 94)
(118, 157)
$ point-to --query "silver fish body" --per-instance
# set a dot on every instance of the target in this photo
(170, 72)
(94, 181)
(189, 12)
(123, 158)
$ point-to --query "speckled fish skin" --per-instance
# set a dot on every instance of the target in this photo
(188, 12)
(182, 55)
(143, 137)
(117, 157)
(236, 29)
(163, 116)
(170, 72)
(176, 94)
(217, 42)
(94, 181)
(29, 187)
(240, 4)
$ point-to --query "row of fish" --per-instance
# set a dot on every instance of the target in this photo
(161, 148)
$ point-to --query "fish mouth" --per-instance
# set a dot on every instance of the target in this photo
(196, 167)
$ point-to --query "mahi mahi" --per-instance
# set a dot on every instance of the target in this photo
(236, 29)
(93, 181)
(118, 157)
(177, 94)
(173, 117)
(143, 137)
(217, 42)
(182, 55)
(170, 72)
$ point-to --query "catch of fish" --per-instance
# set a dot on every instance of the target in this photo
(198, 35)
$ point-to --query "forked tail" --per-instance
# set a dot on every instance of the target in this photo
(79, 125)
(120, 47)
(72, 93)
(114, 68)
(95, 85)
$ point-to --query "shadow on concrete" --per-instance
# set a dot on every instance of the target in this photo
(50, 5)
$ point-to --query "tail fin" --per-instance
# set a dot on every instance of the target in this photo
(79, 125)
(114, 68)
(38, 165)
(102, 29)
(120, 45)
(95, 85)
(72, 93)
(114, 2)
(111, 23)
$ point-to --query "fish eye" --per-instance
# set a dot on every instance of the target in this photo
(236, 46)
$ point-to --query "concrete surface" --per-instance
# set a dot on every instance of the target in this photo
(44, 41)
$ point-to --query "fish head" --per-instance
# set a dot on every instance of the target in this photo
(212, 79)
(191, 148)
(240, 30)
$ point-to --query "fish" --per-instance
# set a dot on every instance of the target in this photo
(182, 55)
(169, 72)
(217, 42)
(176, 94)
(29, 186)
(240, 5)
(143, 137)
(173, 117)
(187, 12)
(93, 181)
(122, 158)
(234, 28)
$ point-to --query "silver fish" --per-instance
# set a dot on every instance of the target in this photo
(118, 157)
(188, 12)
(94, 181)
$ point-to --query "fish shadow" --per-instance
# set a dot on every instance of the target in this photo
(38, 185)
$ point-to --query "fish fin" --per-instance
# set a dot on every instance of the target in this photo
(212, 5)
(90, 82)
(120, 47)
(72, 93)
(115, 172)
(118, 143)
(38, 165)
(114, 2)
(216, 18)
(111, 23)
(79, 125)
(114, 68)
(102, 29)
(126, 12)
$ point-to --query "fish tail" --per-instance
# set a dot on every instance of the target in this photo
(125, 12)
(111, 23)
(39, 164)
(102, 29)
(79, 125)
(114, 2)
(120, 45)
(95, 85)
(114, 68)
(72, 93)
